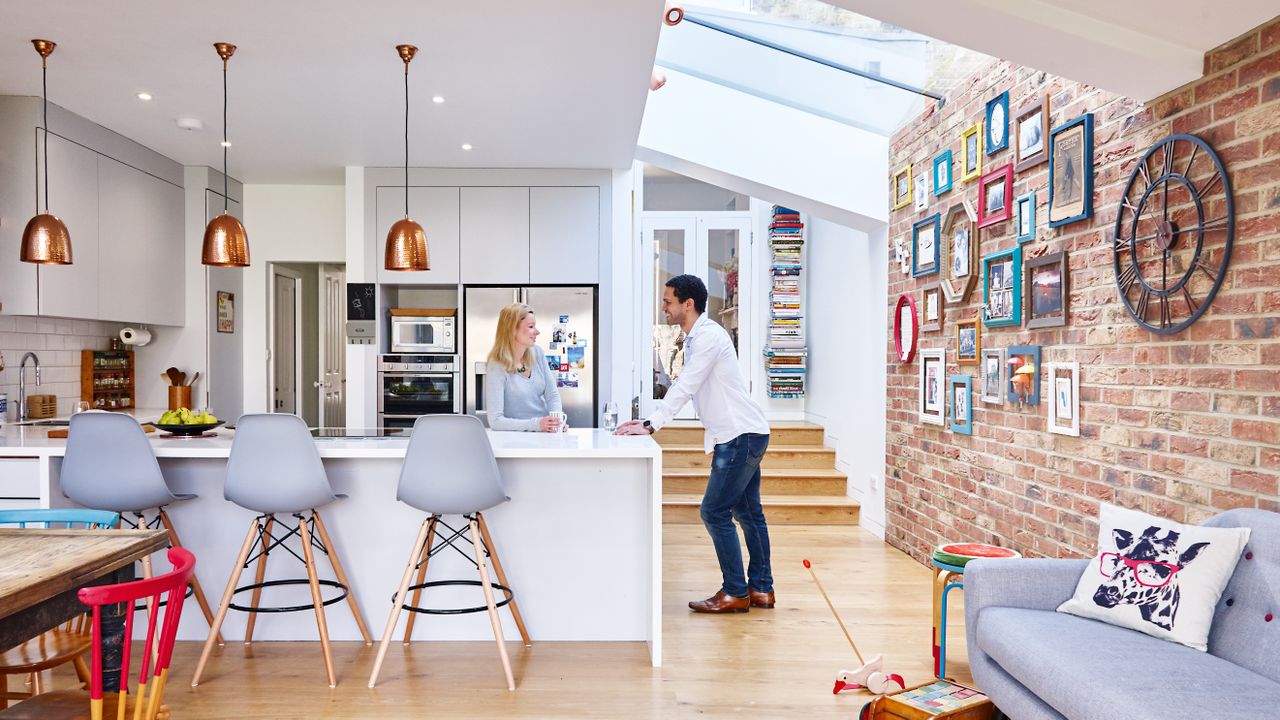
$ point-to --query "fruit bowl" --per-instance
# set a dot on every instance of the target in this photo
(195, 429)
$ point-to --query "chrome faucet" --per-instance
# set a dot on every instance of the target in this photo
(24, 412)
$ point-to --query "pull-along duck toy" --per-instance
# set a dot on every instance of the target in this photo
(871, 675)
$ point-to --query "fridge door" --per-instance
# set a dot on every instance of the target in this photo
(481, 306)
(566, 317)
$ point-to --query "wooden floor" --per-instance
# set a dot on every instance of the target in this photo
(777, 663)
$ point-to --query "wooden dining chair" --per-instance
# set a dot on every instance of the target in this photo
(165, 593)
(66, 644)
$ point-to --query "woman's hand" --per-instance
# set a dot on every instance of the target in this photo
(549, 424)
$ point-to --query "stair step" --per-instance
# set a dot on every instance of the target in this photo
(782, 432)
(773, 481)
(682, 508)
(778, 456)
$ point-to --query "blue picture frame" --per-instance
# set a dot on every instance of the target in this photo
(918, 268)
(1020, 391)
(1063, 169)
(942, 162)
(1004, 309)
(954, 385)
(997, 118)
(1025, 225)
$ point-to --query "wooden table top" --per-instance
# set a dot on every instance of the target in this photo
(36, 565)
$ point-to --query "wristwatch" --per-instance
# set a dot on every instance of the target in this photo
(649, 426)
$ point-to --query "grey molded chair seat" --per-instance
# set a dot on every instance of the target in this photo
(449, 469)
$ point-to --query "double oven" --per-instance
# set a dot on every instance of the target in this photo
(410, 385)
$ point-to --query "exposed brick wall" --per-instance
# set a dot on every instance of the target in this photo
(1181, 426)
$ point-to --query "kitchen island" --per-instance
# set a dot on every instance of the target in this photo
(580, 539)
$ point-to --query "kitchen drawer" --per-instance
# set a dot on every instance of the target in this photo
(20, 478)
(19, 504)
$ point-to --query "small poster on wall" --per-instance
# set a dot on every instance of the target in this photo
(226, 312)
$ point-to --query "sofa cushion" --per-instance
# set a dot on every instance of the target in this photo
(1246, 628)
(1089, 669)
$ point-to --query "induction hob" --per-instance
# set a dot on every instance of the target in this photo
(357, 433)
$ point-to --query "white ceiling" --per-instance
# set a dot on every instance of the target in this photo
(316, 84)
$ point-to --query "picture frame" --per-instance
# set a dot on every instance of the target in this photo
(932, 406)
(901, 188)
(1031, 134)
(931, 311)
(1024, 217)
(226, 312)
(971, 153)
(968, 342)
(1048, 289)
(926, 237)
(995, 196)
(906, 328)
(942, 173)
(992, 376)
(1002, 288)
(960, 395)
(960, 245)
(997, 124)
(922, 197)
(1064, 408)
(1023, 372)
(1071, 171)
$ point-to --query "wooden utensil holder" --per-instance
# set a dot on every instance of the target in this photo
(179, 396)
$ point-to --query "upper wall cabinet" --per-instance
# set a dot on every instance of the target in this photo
(564, 235)
(141, 247)
(72, 290)
(436, 209)
(495, 235)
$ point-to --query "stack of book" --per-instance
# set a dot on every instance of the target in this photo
(785, 350)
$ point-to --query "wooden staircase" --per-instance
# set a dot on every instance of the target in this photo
(799, 484)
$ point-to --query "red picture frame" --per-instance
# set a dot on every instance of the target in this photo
(988, 213)
(910, 350)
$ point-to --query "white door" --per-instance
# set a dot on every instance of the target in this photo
(333, 355)
(284, 351)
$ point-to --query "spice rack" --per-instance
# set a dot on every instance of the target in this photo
(106, 379)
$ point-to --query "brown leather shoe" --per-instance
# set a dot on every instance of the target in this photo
(761, 599)
(721, 602)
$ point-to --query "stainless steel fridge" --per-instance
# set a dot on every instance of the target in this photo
(567, 319)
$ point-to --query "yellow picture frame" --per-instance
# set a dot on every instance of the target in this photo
(902, 193)
(971, 157)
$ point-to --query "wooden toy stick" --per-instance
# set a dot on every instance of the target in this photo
(833, 612)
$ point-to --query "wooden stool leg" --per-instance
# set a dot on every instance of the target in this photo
(318, 601)
(259, 575)
(37, 683)
(221, 615)
(342, 577)
(938, 577)
(195, 581)
(422, 577)
(502, 578)
(82, 670)
(397, 602)
(488, 600)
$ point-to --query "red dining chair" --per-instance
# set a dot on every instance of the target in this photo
(165, 593)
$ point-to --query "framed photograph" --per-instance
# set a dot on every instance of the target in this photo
(968, 342)
(925, 241)
(931, 299)
(902, 188)
(226, 312)
(942, 173)
(922, 197)
(971, 153)
(905, 328)
(960, 248)
(1071, 171)
(960, 393)
(995, 196)
(932, 405)
(1002, 288)
(1024, 374)
(997, 121)
(1024, 213)
(1031, 132)
(991, 377)
(1048, 286)
(1064, 411)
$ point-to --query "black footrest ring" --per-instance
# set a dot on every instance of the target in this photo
(506, 591)
(143, 605)
(292, 608)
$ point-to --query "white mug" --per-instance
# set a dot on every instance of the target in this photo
(563, 419)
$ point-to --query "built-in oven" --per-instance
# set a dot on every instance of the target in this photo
(424, 331)
(410, 386)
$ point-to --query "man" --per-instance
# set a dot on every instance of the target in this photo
(737, 431)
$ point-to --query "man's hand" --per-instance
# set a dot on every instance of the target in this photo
(632, 427)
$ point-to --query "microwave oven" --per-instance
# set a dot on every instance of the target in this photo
(416, 331)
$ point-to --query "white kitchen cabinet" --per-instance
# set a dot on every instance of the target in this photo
(20, 478)
(436, 210)
(142, 277)
(495, 235)
(72, 291)
(564, 235)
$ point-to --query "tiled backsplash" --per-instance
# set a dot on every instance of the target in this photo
(57, 343)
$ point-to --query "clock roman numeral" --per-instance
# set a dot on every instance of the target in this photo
(1146, 174)
(1203, 263)
(1141, 309)
(1208, 185)
(1192, 305)
(1195, 149)
(1123, 244)
(1166, 318)
(1168, 158)
(1127, 278)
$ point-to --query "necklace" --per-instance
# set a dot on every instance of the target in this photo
(522, 369)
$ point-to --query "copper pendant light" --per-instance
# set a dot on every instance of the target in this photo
(45, 240)
(406, 241)
(225, 241)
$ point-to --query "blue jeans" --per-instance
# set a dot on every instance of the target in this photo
(733, 492)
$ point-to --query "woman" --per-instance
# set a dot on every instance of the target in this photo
(520, 390)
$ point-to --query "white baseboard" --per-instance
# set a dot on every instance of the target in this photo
(874, 527)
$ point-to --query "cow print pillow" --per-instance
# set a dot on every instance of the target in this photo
(1157, 576)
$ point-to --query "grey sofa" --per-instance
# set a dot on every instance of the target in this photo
(1038, 664)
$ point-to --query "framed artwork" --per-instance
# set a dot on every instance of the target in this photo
(1031, 132)
(997, 121)
(925, 242)
(1024, 374)
(1064, 411)
(226, 312)
(932, 301)
(1024, 213)
(905, 329)
(960, 393)
(968, 342)
(922, 197)
(902, 188)
(995, 196)
(960, 245)
(991, 377)
(932, 405)
(942, 173)
(1002, 288)
(1048, 286)
(971, 153)
(1071, 171)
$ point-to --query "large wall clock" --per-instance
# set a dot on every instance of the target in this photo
(1173, 234)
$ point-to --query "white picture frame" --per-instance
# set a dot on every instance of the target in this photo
(932, 405)
(992, 380)
(1064, 408)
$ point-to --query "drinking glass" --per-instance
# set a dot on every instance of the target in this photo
(610, 416)
(82, 406)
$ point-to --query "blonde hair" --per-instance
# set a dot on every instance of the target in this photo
(504, 340)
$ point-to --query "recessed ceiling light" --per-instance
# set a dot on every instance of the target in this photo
(144, 96)
(466, 146)
(437, 99)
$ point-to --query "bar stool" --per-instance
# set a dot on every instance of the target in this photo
(449, 469)
(110, 465)
(275, 469)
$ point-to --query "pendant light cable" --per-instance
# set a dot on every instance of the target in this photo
(406, 138)
(44, 90)
(225, 192)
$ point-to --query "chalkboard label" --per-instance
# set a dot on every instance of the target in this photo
(361, 303)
